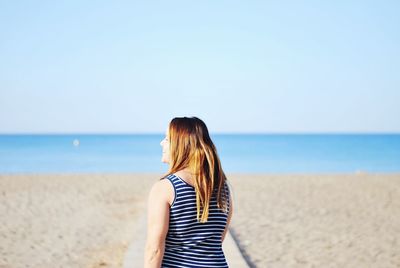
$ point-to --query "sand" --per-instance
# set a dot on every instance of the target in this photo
(88, 220)
(318, 220)
(69, 220)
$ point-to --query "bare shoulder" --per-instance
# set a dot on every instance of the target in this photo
(162, 189)
(160, 186)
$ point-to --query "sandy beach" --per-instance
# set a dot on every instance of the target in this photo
(69, 220)
(88, 220)
(318, 220)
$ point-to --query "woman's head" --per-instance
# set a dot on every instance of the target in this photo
(188, 145)
(186, 137)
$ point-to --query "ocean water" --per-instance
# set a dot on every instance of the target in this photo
(249, 153)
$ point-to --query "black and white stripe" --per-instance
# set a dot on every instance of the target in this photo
(190, 243)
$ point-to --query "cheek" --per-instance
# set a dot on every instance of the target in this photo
(166, 154)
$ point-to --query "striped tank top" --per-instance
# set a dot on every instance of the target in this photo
(190, 243)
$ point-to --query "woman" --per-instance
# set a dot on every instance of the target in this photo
(190, 208)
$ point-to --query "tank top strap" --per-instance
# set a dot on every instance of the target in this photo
(181, 188)
(173, 181)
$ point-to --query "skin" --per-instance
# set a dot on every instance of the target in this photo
(160, 199)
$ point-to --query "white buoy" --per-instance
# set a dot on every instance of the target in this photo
(76, 142)
(360, 172)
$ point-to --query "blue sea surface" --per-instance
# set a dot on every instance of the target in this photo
(243, 153)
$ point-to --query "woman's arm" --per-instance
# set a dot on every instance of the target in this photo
(229, 217)
(157, 224)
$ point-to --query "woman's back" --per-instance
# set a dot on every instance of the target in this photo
(190, 243)
(187, 230)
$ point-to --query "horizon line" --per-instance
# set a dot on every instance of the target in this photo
(211, 133)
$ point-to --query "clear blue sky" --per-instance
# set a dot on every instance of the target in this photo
(241, 66)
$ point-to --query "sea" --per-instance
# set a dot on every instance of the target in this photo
(239, 153)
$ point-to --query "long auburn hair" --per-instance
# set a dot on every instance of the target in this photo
(191, 147)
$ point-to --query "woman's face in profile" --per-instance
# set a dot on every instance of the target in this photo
(165, 149)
